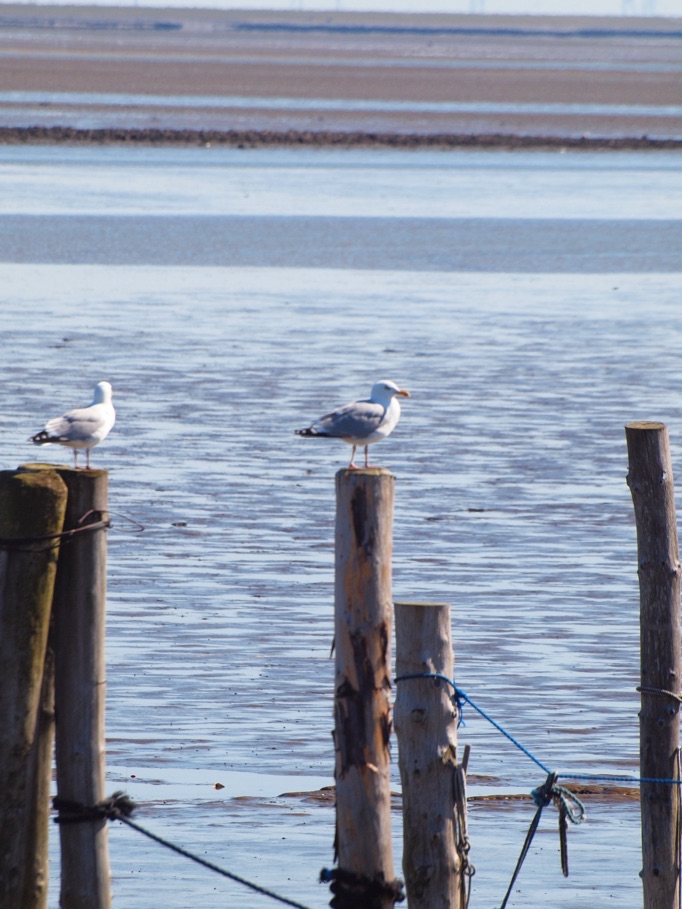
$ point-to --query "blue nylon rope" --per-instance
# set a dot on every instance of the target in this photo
(463, 696)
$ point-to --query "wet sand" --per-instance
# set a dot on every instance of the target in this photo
(99, 74)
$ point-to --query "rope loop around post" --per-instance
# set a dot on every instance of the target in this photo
(26, 544)
(659, 692)
(113, 808)
(357, 891)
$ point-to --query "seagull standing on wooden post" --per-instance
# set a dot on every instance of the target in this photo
(361, 423)
(84, 427)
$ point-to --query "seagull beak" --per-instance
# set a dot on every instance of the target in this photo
(403, 393)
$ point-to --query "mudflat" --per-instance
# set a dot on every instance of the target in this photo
(255, 77)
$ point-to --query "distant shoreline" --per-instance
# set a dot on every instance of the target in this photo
(258, 78)
(60, 135)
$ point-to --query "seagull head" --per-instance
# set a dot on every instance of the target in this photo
(103, 393)
(383, 391)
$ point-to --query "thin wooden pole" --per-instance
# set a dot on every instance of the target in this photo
(362, 703)
(80, 688)
(650, 478)
(426, 726)
(31, 505)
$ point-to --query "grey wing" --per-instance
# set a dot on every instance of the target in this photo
(73, 426)
(354, 421)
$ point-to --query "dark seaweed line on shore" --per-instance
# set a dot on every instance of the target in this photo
(484, 30)
(344, 28)
(319, 139)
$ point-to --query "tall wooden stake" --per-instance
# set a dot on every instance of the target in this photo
(650, 478)
(80, 686)
(31, 505)
(362, 702)
(426, 726)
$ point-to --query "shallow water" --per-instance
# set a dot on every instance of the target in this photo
(510, 460)
(117, 99)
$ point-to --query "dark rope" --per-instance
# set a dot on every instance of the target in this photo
(137, 527)
(211, 867)
(570, 808)
(119, 807)
(114, 808)
(24, 544)
(542, 797)
(660, 692)
(352, 890)
(462, 842)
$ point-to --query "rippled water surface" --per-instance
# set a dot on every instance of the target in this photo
(510, 458)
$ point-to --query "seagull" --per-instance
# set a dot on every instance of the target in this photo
(84, 427)
(361, 422)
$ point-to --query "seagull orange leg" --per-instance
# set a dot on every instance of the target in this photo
(352, 465)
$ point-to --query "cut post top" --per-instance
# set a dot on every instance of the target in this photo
(646, 425)
(30, 502)
(363, 472)
(60, 468)
(420, 604)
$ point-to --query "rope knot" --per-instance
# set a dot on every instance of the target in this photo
(113, 808)
(351, 890)
(542, 796)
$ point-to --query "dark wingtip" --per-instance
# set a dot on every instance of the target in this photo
(310, 433)
(39, 438)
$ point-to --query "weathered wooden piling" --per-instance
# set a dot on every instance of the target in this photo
(362, 702)
(650, 478)
(32, 507)
(426, 726)
(40, 769)
(80, 688)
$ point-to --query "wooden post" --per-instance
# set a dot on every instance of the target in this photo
(80, 683)
(650, 478)
(362, 702)
(426, 726)
(40, 770)
(32, 505)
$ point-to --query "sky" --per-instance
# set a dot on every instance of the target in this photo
(522, 7)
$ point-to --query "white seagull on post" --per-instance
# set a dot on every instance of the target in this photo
(362, 422)
(84, 427)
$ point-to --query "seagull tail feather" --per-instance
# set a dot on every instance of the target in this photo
(311, 433)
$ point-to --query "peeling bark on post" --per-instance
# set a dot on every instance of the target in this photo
(80, 689)
(650, 478)
(426, 726)
(32, 504)
(362, 704)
